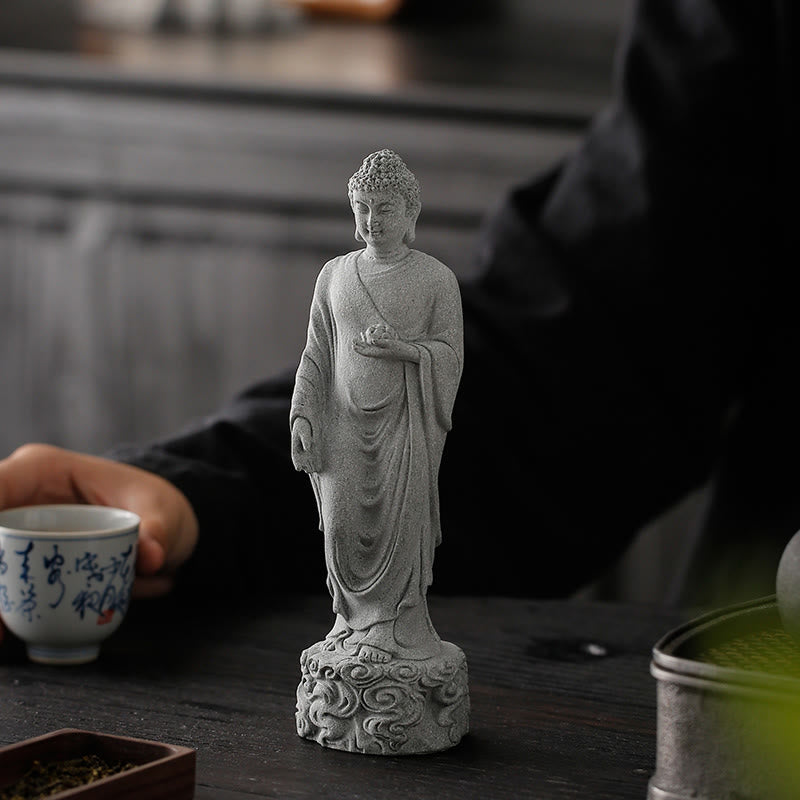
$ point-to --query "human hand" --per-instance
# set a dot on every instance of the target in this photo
(304, 451)
(38, 473)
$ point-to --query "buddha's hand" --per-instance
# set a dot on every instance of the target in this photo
(377, 334)
(382, 341)
(304, 450)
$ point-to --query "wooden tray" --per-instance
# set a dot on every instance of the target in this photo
(163, 771)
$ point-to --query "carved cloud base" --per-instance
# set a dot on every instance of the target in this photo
(401, 707)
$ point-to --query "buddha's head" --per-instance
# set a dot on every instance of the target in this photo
(385, 198)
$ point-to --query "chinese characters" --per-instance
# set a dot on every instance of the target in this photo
(41, 568)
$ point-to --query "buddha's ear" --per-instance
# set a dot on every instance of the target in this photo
(411, 231)
(359, 237)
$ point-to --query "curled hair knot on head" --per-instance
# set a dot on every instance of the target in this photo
(383, 171)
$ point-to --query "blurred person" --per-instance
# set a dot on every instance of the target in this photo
(630, 336)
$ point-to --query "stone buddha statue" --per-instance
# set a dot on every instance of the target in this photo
(372, 404)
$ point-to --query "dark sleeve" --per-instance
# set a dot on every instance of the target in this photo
(617, 318)
(607, 337)
(258, 524)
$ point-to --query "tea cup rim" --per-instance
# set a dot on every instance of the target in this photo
(11, 523)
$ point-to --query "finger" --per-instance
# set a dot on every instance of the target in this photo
(368, 350)
(151, 555)
(167, 533)
(35, 474)
(152, 585)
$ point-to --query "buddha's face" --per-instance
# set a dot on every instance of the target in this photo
(382, 219)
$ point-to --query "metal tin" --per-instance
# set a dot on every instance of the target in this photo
(728, 708)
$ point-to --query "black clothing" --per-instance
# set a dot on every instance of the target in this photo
(629, 338)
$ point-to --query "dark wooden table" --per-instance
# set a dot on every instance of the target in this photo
(563, 705)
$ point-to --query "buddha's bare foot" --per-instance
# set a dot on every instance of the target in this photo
(332, 643)
(373, 654)
(336, 636)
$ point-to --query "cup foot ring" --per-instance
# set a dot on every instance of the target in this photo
(43, 654)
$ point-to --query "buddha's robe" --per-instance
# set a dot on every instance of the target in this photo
(380, 427)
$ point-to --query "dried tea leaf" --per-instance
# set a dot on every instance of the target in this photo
(44, 780)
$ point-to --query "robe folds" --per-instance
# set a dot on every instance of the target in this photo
(379, 426)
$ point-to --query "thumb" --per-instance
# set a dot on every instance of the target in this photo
(167, 533)
(154, 577)
(152, 550)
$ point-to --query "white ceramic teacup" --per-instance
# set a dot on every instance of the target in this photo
(66, 573)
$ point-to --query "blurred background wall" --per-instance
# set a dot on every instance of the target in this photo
(171, 185)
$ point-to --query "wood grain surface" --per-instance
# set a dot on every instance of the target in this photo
(563, 705)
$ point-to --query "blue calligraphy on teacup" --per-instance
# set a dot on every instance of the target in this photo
(36, 574)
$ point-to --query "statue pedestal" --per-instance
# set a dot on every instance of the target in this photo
(402, 707)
